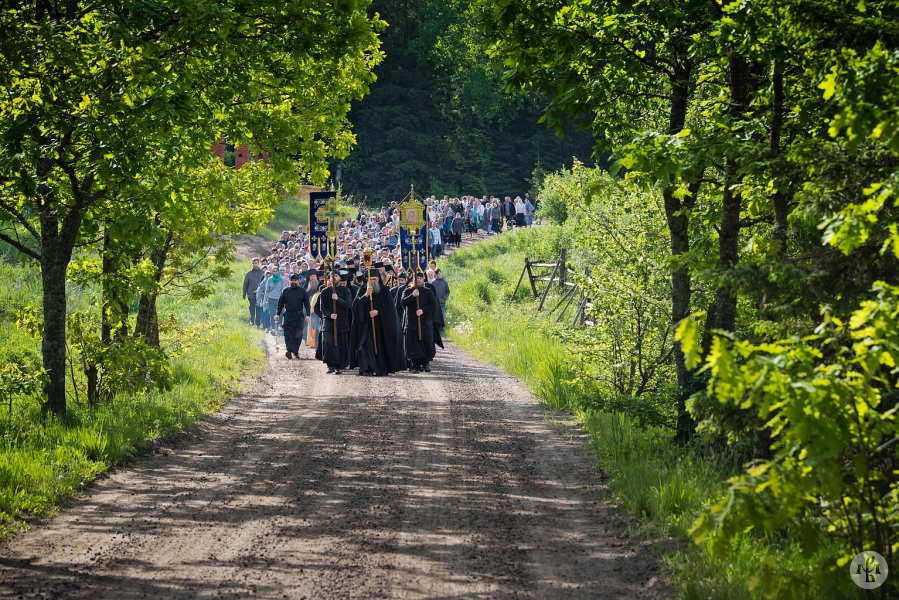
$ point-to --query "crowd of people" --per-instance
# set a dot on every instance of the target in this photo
(382, 319)
(451, 218)
(362, 324)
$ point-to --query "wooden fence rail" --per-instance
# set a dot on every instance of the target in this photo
(569, 289)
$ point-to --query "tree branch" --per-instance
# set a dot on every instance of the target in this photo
(20, 218)
(20, 247)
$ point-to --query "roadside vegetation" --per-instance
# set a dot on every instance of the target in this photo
(744, 253)
(45, 459)
(287, 214)
(117, 219)
(632, 421)
(204, 350)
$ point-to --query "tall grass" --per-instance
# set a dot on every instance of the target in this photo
(44, 460)
(664, 486)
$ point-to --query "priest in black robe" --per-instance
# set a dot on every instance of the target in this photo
(335, 302)
(396, 294)
(374, 339)
(419, 304)
(437, 317)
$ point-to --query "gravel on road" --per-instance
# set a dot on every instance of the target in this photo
(449, 484)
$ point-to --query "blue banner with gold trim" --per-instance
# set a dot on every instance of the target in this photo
(409, 251)
(318, 229)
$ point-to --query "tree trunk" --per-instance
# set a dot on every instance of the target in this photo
(731, 202)
(779, 198)
(57, 239)
(57, 244)
(114, 314)
(679, 231)
(762, 446)
(53, 341)
(147, 319)
(92, 375)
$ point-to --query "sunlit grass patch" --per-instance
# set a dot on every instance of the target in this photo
(288, 214)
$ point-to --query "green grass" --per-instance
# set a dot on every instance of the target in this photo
(43, 461)
(287, 216)
(663, 486)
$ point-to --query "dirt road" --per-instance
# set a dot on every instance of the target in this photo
(441, 485)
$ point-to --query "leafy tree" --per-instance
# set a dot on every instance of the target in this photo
(770, 130)
(828, 395)
(631, 68)
(91, 93)
(620, 230)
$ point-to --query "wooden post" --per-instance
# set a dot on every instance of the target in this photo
(562, 299)
(527, 264)
(374, 334)
(570, 298)
(517, 285)
(562, 269)
(549, 284)
(579, 313)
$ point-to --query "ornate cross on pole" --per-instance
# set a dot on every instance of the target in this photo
(330, 212)
(411, 220)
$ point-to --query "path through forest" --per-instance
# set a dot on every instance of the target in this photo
(449, 484)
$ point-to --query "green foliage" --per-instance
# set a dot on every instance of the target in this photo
(44, 460)
(766, 134)
(619, 232)
(830, 401)
(21, 375)
(557, 191)
(437, 118)
(107, 114)
(129, 366)
(666, 487)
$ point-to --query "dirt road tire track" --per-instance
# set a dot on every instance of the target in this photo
(441, 485)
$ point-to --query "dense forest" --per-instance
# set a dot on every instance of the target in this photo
(437, 116)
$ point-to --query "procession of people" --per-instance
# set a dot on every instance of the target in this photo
(361, 323)
(358, 307)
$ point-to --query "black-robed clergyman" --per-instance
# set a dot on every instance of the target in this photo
(375, 334)
(419, 304)
(294, 303)
(336, 296)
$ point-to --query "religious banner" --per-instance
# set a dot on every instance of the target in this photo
(414, 235)
(318, 227)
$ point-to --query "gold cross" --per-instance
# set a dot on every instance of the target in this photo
(331, 215)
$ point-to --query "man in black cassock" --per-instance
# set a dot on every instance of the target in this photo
(375, 326)
(396, 294)
(419, 304)
(294, 303)
(335, 302)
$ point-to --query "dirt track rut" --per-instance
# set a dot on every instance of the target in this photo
(448, 484)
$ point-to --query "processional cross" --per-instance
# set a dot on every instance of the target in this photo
(332, 214)
(411, 220)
